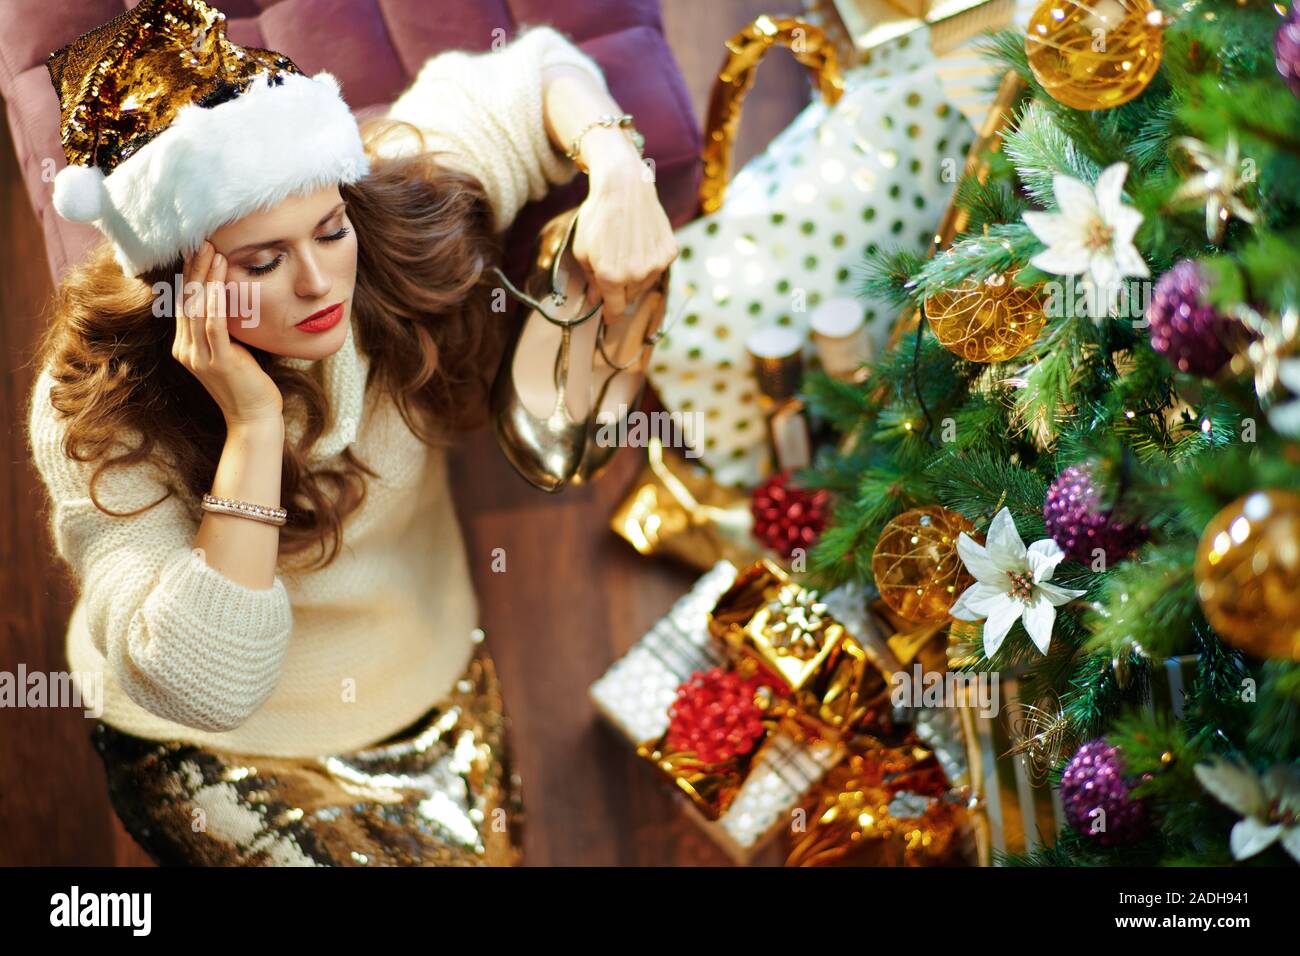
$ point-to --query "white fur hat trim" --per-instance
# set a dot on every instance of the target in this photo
(214, 165)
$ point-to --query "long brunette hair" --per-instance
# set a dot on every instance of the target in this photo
(421, 313)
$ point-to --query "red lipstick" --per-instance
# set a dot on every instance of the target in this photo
(323, 320)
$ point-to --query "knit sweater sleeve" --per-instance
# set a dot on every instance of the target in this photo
(184, 641)
(483, 113)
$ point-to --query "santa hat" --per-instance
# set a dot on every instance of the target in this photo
(171, 131)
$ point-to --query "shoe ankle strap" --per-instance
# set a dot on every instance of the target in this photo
(534, 304)
(654, 338)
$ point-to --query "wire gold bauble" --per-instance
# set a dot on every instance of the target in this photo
(916, 566)
(987, 320)
(1095, 54)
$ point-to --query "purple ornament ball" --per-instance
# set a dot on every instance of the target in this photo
(1286, 49)
(1077, 521)
(1186, 329)
(1093, 780)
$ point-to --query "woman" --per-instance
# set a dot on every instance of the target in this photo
(310, 688)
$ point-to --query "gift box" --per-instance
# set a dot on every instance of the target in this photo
(836, 685)
(889, 36)
(907, 798)
(887, 806)
(745, 801)
(869, 164)
(902, 34)
(675, 510)
(991, 750)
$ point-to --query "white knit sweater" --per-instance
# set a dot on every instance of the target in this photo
(326, 660)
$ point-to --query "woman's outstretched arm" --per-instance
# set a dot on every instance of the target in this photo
(624, 239)
(503, 115)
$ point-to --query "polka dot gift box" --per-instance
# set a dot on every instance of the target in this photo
(874, 170)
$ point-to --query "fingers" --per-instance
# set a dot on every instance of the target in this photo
(216, 329)
(626, 292)
(624, 270)
(618, 283)
(199, 317)
(191, 347)
(644, 324)
(190, 304)
(615, 295)
(592, 294)
(637, 291)
(180, 342)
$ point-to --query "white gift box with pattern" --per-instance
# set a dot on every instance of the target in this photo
(873, 171)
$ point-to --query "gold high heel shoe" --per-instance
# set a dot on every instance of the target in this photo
(538, 428)
(600, 449)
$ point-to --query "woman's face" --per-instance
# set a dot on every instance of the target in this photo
(294, 262)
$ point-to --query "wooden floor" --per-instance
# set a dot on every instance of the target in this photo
(573, 598)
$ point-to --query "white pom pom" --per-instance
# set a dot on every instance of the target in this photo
(79, 193)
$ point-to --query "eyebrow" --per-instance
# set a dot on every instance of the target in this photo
(279, 242)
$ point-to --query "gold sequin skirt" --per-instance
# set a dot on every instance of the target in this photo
(441, 792)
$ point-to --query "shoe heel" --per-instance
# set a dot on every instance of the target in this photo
(545, 449)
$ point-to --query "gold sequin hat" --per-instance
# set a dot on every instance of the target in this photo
(171, 131)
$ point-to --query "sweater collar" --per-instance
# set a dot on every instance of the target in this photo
(343, 376)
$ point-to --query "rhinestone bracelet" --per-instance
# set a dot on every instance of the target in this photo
(624, 122)
(244, 509)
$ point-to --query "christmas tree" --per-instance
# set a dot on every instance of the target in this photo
(1082, 445)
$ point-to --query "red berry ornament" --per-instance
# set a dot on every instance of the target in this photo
(715, 716)
(787, 517)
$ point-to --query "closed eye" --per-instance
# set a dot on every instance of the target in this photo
(262, 270)
(274, 263)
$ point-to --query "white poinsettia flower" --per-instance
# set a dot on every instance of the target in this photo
(1269, 805)
(1011, 583)
(1091, 234)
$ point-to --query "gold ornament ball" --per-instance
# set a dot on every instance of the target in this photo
(1248, 574)
(1095, 54)
(986, 320)
(917, 569)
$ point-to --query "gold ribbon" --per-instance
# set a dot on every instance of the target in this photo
(710, 787)
(675, 511)
(808, 44)
(888, 806)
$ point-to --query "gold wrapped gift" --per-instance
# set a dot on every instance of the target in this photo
(740, 805)
(676, 511)
(833, 685)
(888, 806)
(711, 787)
